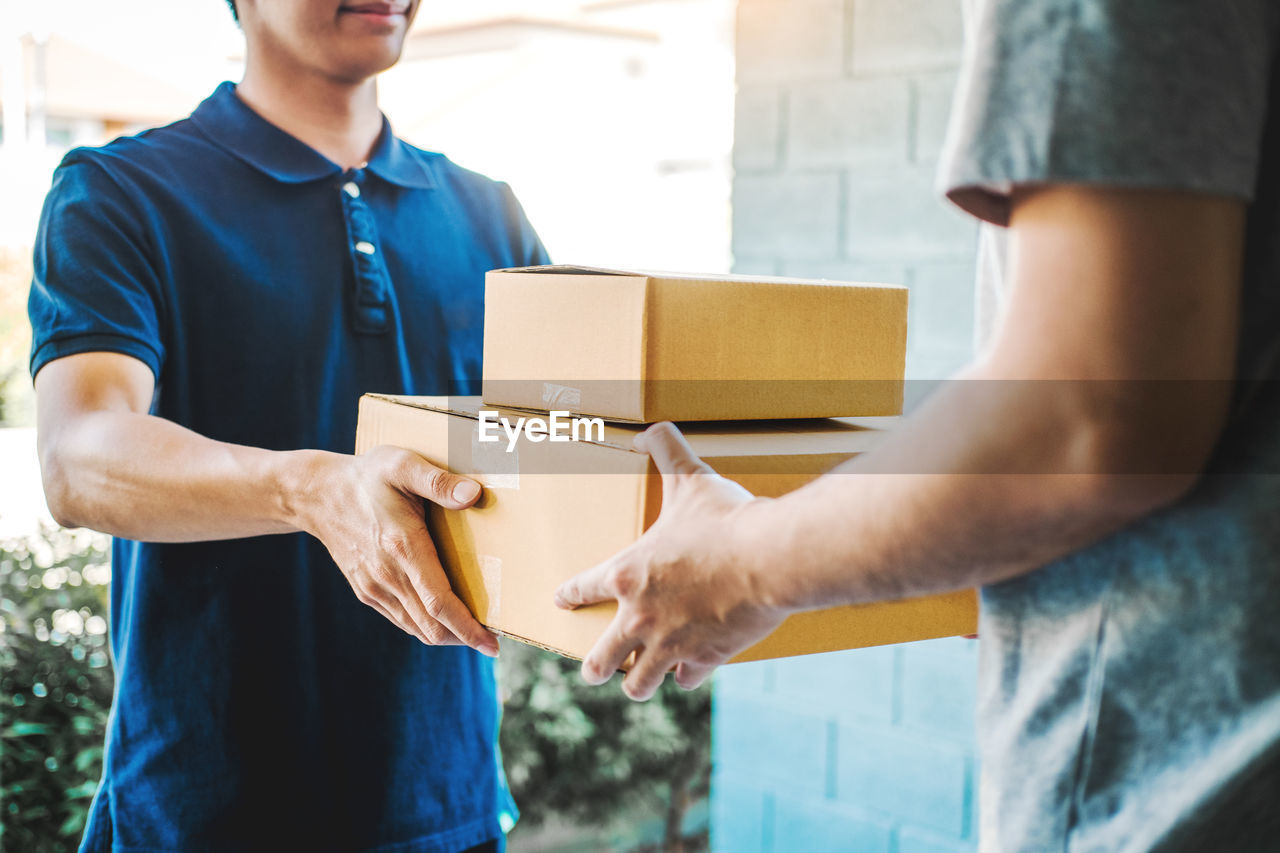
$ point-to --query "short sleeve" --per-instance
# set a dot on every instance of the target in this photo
(528, 247)
(95, 285)
(1163, 94)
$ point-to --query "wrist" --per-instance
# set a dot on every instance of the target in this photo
(762, 555)
(300, 486)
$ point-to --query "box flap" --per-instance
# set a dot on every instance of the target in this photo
(568, 269)
(663, 275)
(709, 439)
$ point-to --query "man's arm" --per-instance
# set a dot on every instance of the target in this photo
(109, 465)
(1068, 435)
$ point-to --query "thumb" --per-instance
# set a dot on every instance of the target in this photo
(670, 452)
(449, 490)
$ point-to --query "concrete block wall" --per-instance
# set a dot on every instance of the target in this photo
(865, 750)
(841, 111)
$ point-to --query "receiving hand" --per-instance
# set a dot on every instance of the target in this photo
(688, 595)
(370, 514)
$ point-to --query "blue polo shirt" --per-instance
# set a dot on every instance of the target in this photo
(259, 705)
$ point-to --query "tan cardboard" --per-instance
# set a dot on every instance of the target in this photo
(646, 347)
(552, 509)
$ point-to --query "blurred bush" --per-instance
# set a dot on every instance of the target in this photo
(636, 772)
(55, 686)
(625, 776)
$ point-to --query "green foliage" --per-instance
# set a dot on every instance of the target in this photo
(635, 773)
(55, 686)
(590, 756)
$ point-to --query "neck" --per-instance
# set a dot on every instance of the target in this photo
(338, 118)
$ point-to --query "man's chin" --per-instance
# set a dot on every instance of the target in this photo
(357, 67)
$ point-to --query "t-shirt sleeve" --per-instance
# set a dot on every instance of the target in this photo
(528, 246)
(1159, 94)
(95, 285)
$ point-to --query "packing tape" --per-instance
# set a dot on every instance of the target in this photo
(493, 466)
(561, 396)
(491, 577)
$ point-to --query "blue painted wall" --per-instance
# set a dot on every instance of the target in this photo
(864, 750)
(841, 110)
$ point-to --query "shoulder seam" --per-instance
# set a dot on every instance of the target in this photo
(128, 200)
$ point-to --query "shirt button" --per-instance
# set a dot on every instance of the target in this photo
(352, 189)
(365, 248)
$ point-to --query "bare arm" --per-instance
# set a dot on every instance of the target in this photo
(1112, 291)
(109, 465)
(1109, 288)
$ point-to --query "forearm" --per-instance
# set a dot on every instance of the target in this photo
(988, 480)
(1100, 400)
(142, 477)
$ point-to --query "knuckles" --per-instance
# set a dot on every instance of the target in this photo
(437, 483)
(435, 634)
(629, 580)
(366, 592)
(686, 470)
(396, 544)
(382, 575)
(433, 605)
(639, 624)
(390, 460)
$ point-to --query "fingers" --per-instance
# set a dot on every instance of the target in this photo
(646, 676)
(433, 632)
(670, 452)
(651, 666)
(590, 587)
(444, 608)
(390, 560)
(692, 675)
(398, 618)
(404, 606)
(437, 485)
(433, 605)
(608, 653)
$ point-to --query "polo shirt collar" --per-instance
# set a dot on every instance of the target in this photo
(232, 125)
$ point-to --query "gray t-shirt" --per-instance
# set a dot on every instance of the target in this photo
(1129, 694)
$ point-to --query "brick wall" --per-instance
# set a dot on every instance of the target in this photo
(841, 110)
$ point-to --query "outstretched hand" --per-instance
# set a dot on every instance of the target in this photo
(371, 515)
(689, 596)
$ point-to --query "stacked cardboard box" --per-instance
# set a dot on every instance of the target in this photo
(578, 361)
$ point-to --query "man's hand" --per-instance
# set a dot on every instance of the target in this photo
(686, 599)
(369, 512)
(109, 465)
(986, 480)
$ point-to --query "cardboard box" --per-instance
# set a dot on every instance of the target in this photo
(646, 347)
(551, 509)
